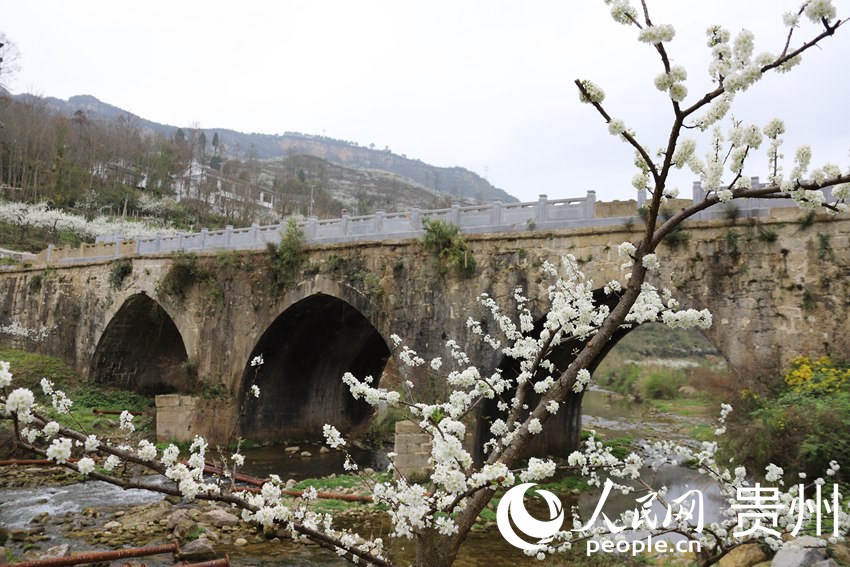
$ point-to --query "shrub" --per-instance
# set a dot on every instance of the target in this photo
(801, 429)
(185, 271)
(662, 385)
(287, 258)
(119, 272)
(448, 247)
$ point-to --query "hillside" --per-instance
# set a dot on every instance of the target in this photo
(458, 182)
(359, 190)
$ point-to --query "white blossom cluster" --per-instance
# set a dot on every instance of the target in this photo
(40, 215)
(16, 329)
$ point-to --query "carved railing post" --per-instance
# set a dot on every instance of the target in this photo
(541, 208)
(590, 205)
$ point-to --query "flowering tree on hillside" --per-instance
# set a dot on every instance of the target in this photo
(440, 514)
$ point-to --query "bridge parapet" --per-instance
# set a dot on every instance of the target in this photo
(498, 217)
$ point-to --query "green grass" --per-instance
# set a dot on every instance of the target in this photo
(330, 484)
(686, 407)
(28, 369)
(32, 239)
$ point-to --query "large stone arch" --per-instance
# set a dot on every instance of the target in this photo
(306, 350)
(141, 349)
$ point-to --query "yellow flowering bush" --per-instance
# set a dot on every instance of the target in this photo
(821, 376)
(809, 413)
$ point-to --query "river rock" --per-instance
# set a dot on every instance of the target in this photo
(184, 528)
(175, 518)
(56, 551)
(306, 454)
(17, 534)
(745, 555)
(219, 518)
(324, 451)
(199, 550)
(240, 542)
(113, 525)
(293, 449)
(141, 515)
(802, 552)
(840, 552)
(688, 391)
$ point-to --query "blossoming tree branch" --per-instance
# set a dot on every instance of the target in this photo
(438, 514)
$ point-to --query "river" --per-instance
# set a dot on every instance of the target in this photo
(605, 412)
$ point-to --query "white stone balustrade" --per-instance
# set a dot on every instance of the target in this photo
(498, 217)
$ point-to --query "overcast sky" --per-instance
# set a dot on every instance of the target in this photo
(483, 84)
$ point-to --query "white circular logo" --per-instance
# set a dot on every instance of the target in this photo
(512, 509)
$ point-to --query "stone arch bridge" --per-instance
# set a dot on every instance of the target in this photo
(190, 325)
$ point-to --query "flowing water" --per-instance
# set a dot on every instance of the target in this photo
(605, 412)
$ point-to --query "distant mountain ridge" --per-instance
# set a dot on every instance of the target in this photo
(455, 181)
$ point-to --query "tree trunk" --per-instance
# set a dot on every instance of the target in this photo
(434, 549)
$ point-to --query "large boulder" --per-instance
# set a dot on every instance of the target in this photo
(219, 518)
(199, 550)
(804, 551)
(745, 555)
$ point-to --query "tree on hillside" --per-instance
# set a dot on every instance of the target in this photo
(9, 56)
(580, 320)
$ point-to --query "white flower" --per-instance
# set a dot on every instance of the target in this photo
(657, 34)
(436, 363)
(626, 250)
(169, 455)
(238, 459)
(791, 19)
(255, 390)
(5, 375)
(46, 386)
(538, 469)
(92, 443)
(31, 434)
(51, 429)
(678, 92)
(85, 466)
(147, 450)
(126, 422)
(773, 473)
(332, 436)
(534, 426)
(20, 401)
(61, 403)
(650, 262)
(817, 10)
(774, 128)
(594, 93)
(60, 450)
(445, 526)
(257, 360)
(552, 407)
(111, 462)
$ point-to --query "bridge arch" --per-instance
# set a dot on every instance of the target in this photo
(141, 349)
(306, 350)
(563, 430)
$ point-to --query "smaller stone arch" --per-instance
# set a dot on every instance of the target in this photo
(142, 350)
(562, 431)
(306, 350)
